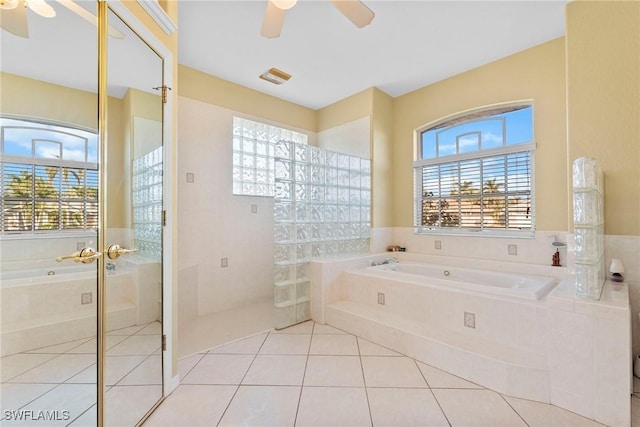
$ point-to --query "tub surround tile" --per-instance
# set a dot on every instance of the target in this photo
(331, 406)
(404, 407)
(277, 406)
(192, 405)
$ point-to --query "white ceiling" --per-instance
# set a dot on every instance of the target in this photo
(409, 44)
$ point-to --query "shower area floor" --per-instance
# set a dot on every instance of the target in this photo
(218, 328)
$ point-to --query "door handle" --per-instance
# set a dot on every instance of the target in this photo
(115, 251)
(85, 256)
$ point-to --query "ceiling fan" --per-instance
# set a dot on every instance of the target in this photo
(354, 10)
(13, 15)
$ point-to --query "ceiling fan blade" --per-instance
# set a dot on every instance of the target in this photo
(42, 8)
(88, 16)
(273, 20)
(355, 11)
(15, 21)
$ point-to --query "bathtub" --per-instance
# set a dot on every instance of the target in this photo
(508, 284)
(487, 326)
(55, 303)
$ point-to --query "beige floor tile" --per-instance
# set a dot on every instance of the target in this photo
(276, 370)
(126, 405)
(391, 371)
(326, 329)
(538, 414)
(286, 344)
(367, 348)
(91, 347)
(136, 345)
(15, 396)
(441, 379)
(329, 406)
(404, 407)
(153, 328)
(186, 364)
(249, 345)
(57, 370)
(74, 398)
(60, 348)
(17, 364)
(262, 406)
(126, 331)
(300, 328)
(149, 372)
(219, 369)
(336, 345)
(192, 405)
(476, 408)
(336, 371)
(115, 369)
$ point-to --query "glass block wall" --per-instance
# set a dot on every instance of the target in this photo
(147, 204)
(588, 227)
(253, 145)
(322, 209)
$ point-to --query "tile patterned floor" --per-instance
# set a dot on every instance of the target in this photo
(62, 377)
(316, 375)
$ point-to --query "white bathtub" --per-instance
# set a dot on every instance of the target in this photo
(24, 277)
(495, 282)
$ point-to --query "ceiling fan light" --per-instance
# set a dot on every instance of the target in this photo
(41, 8)
(8, 4)
(275, 76)
(284, 4)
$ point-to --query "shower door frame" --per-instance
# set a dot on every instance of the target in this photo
(170, 382)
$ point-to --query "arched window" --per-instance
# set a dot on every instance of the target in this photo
(48, 178)
(474, 173)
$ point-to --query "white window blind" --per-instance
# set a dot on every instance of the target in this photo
(476, 175)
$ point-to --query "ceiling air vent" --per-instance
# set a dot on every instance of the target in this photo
(275, 76)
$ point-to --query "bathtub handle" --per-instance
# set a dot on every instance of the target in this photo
(115, 251)
(85, 256)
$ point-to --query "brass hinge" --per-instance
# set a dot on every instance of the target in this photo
(164, 343)
(165, 92)
(164, 218)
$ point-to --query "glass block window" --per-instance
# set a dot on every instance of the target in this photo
(48, 178)
(147, 204)
(322, 209)
(474, 173)
(253, 151)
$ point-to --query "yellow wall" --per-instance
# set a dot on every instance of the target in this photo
(536, 74)
(203, 87)
(603, 86)
(382, 160)
(346, 110)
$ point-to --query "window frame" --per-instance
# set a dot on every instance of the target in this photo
(419, 163)
(59, 163)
